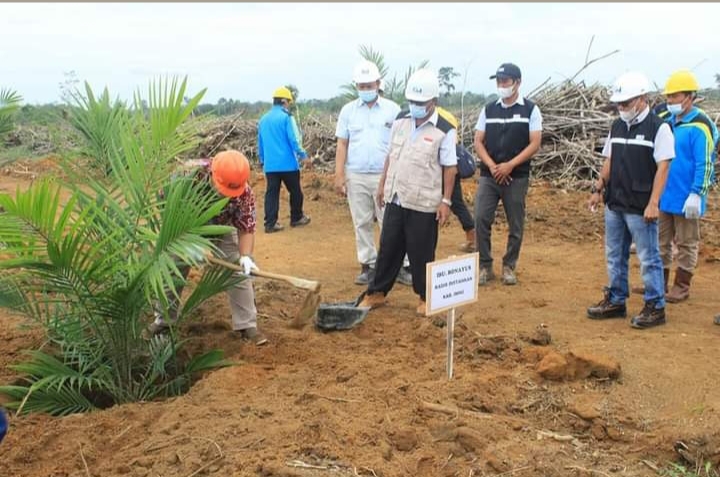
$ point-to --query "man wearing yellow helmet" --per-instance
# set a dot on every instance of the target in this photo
(683, 201)
(279, 149)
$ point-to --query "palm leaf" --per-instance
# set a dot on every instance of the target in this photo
(9, 104)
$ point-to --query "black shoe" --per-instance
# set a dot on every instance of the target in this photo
(367, 273)
(273, 228)
(605, 310)
(405, 277)
(648, 317)
(304, 220)
(716, 320)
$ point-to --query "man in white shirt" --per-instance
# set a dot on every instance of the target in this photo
(363, 141)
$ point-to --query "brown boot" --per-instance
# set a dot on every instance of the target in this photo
(420, 310)
(640, 290)
(372, 300)
(680, 290)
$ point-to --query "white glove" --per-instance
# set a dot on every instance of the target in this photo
(247, 264)
(692, 206)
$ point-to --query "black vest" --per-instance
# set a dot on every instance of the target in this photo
(507, 133)
(632, 165)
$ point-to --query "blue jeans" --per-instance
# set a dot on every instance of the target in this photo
(621, 229)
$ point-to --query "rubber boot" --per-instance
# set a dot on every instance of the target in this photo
(640, 290)
(680, 290)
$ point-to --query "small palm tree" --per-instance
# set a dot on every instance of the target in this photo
(92, 267)
(9, 104)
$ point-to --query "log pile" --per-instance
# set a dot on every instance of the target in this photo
(576, 120)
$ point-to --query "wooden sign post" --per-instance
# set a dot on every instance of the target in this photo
(451, 283)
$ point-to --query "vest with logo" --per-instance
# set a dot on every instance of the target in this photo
(414, 171)
(507, 133)
(632, 165)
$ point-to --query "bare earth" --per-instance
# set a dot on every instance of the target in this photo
(376, 401)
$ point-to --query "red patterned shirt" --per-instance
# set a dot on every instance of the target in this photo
(239, 211)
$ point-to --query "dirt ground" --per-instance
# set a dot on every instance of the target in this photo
(601, 399)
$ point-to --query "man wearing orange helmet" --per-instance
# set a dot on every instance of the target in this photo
(279, 149)
(228, 172)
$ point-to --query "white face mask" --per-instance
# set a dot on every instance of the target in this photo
(628, 115)
(505, 93)
(675, 109)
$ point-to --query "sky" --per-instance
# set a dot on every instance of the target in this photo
(244, 50)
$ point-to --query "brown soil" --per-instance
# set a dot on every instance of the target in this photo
(600, 399)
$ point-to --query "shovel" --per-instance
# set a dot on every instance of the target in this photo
(341, 316)
(311, 302)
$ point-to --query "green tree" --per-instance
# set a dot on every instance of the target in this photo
(90, 259)
(445, 77)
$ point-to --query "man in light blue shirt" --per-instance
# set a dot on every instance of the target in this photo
(363, 141)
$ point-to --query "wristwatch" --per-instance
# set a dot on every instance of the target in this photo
(447, 202)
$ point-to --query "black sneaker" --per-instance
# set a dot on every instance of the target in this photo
(273, 228)
(648, 317)
(405, 277)
(254, 335)
(605, 310)
(366, 275)
(304, 220)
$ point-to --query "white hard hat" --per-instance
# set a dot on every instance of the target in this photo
(422, 86)
(366, 72)
(629, 85)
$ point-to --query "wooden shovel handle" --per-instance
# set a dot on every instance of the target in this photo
(294, 281)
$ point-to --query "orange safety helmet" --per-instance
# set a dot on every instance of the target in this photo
(230, 173)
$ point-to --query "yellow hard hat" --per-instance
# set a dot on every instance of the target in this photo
(680, 81)
(283, 93)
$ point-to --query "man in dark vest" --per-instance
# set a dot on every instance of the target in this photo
(507, 135)
(638, 151)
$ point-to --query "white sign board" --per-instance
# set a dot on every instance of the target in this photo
(452, 282)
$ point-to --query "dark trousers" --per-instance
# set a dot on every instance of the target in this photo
(404, 231)
(459, 208)
(513, 195)
(272, 196)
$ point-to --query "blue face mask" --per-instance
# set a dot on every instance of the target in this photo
(418, 112)
(368, 96)
(675, 109)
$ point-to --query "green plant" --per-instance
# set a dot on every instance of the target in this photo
(98, 121)
(91, 259)
(9, 104)
(677, 470)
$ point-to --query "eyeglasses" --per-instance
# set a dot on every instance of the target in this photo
(627, 103)
(419, 103)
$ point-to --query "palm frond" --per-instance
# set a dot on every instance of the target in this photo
(9, 104)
